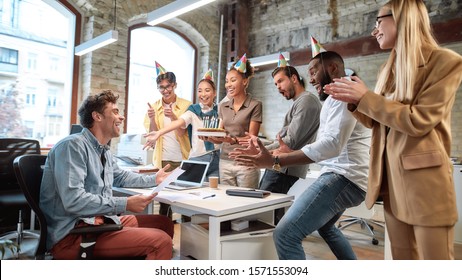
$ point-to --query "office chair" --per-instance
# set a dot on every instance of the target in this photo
(362, 216)
(11, 195)
(29, 170)
(76, 128)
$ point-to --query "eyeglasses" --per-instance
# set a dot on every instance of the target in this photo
(162, 89)
(377, 22)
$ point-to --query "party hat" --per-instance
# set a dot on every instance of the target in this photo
(316, 48)
(241, 64)
(208, 75)
(282, 61)
(160, 70)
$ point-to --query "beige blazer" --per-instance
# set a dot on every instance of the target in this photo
(418, 144)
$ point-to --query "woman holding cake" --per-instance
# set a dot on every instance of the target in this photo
(240, 114)
(197, 116)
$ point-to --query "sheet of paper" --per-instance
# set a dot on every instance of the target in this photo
(203, 194)
(170, 178)
(174, 196)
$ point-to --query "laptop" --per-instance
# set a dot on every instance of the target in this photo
(192, 178)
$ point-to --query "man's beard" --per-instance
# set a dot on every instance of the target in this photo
(291, 92)
(326, 79)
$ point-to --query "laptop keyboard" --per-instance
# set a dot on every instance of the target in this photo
(180, 184)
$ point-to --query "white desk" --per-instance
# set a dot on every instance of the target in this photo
(222, 208)
(458, 186)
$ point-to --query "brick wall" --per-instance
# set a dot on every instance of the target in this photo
(288, 26)
(281, 25)
(106, 68)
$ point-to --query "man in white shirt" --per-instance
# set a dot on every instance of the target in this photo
(341, 149)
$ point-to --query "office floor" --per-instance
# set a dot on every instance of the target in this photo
(315, 247)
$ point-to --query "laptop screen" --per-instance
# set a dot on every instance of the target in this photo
(194, 172)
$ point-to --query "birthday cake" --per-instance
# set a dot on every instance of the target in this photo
(217, 132)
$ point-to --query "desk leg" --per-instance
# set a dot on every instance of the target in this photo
(214, 239)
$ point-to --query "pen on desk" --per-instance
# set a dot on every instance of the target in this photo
(212, 195)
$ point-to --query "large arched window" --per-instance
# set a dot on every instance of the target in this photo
(173, 52)
(36, 69)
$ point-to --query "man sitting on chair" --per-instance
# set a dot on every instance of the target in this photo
(77, 191)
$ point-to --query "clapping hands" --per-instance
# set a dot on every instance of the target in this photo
(346, 90)
(256, 155)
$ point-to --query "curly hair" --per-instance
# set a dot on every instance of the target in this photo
(94, 103)
(249, 69)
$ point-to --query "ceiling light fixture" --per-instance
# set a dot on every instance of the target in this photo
(100, 41)
(265, 59)
(96, 43)
(174, 9)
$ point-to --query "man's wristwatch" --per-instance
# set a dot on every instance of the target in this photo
(276, 165)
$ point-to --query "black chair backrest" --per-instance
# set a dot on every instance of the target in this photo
(29, 171)
(10, 148)
(76, 128)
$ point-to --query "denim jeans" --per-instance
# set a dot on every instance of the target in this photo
(213, 158)
(277, 182)
(318, 208)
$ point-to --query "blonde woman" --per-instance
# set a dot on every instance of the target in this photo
(410, 116)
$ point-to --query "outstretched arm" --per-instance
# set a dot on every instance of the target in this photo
(152, 136)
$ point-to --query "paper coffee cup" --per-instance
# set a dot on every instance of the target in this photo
(213, 182)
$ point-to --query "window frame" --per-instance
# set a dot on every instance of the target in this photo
(127, 74)
(76, 67)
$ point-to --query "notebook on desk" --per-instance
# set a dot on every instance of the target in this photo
(248, 192)
(193, 177)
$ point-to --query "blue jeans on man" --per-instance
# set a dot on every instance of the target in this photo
(318, 208)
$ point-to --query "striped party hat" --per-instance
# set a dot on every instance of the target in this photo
(160, 70)
(208, 75)
(282, 61)
(316, 48)
(241, 65)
